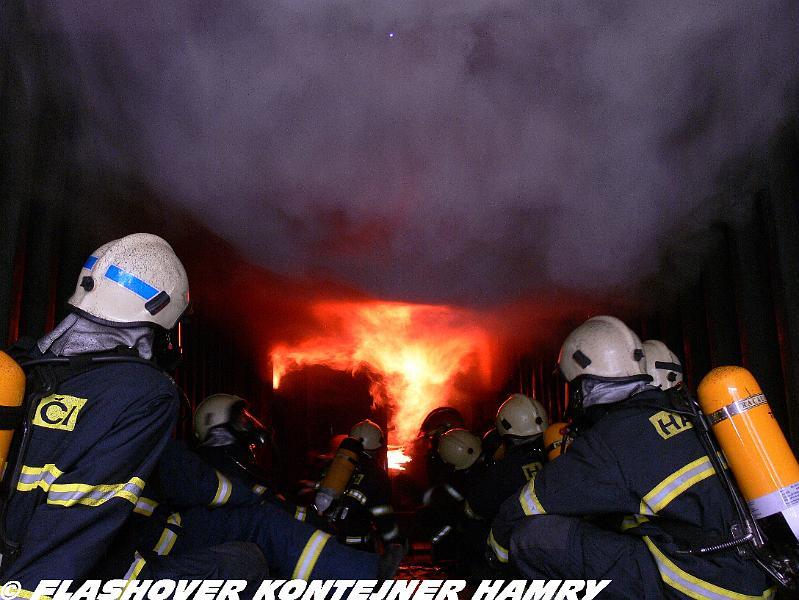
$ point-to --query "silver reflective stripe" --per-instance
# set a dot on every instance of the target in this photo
(383, 509)
(145, 506)
(453, 492)
(428, 496)
(691, 585)
(223, 490)
(529, 501)
(310, 554)
(675, 484)
(359, 496)
(70, 494)
(499, 551)
(736, 408)
(356, 539)
(391, 534)
(32, 477)
(441, 533)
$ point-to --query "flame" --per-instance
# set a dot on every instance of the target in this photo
(397, 458)
(415, 354)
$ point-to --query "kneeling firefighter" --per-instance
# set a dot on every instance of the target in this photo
(188, 506)
(99, 413)
(443, 515)
(634, 456)
(364, 508)
(521, 421)
(230, 437)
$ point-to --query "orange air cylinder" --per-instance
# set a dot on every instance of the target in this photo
(753, 444)
(338, 475)
(554, 436)
(12, 391)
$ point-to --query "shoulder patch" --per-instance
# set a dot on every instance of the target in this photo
(58, 412)
(530, 469)
(668, 424)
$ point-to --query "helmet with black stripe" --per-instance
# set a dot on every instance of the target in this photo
(602, 347)
(662, 364)
(521, 417)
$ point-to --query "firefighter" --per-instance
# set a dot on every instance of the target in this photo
(100, 414)
(442, 516)
(634, 457)
(365, 508)
(521, 422)
(229, 437)
(188, 505)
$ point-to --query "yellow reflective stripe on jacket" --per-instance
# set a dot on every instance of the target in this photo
(223, 490)
(529, 501)
(499, 551)
(692, 586)
(310, 554)
(258, 489)
(300, 514)
(69, 494)
(168, 537)
(133, 571)
(145, 506)
(632, 521)
(31, 478)
(675, 484)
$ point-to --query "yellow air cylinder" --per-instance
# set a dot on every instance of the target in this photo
(338, 475)
(12, 391)
(756, 451)
(554, 436)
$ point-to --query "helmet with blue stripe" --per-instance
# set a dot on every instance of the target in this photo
(135, 280)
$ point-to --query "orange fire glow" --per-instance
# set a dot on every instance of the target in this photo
(415, 354)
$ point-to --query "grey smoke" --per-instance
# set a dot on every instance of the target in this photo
(437, 151)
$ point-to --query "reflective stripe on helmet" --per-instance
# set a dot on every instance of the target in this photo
(130, 282)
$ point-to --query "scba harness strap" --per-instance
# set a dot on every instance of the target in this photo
(44, 376)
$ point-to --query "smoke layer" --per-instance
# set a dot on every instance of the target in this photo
(464, 152)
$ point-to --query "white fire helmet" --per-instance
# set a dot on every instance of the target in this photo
(603, 347)
(368, 433)
(521, 416)
(136, 279)
(459, 448)
(662, 364)
(216, 409)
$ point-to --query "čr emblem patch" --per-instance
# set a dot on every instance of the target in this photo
(58, 412)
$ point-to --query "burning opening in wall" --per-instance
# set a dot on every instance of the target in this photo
(417, 357)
